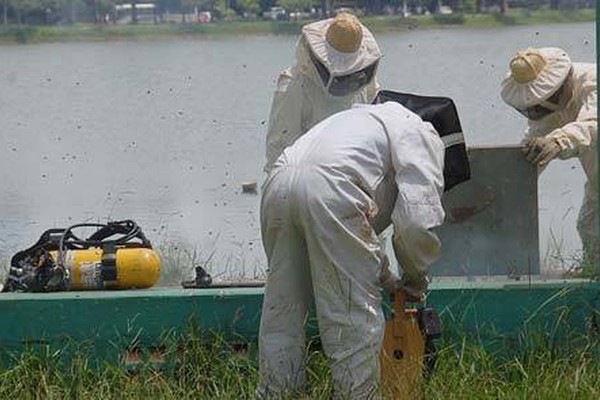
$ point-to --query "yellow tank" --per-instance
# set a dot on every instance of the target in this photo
(130, 268)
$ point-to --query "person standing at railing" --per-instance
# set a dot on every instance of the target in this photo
(336, 63)
(559, 99)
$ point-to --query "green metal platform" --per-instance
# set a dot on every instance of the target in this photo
(121, 326)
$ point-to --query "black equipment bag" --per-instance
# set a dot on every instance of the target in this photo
(441, 113)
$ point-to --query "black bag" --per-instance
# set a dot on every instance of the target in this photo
(442, 114)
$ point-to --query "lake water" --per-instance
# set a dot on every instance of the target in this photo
(166, 132)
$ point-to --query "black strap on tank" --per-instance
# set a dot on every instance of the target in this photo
(109, 262)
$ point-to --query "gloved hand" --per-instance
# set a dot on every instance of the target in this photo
(415, 289)
(541, 150)
(415, 292)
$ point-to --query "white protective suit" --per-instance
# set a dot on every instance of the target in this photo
(301, 100)
(323, 204)
(575, 128)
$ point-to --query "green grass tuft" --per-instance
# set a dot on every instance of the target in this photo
(217, 370)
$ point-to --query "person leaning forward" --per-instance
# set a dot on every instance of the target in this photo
(559, 99)
(324, 202)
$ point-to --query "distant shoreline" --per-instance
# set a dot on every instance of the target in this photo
(378, 24)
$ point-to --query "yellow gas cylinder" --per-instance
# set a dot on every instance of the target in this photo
(402, 353)
(126, 268)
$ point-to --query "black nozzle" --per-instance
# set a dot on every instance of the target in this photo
(202, 280)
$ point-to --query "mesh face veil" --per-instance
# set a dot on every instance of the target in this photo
(554, 103)
(344, 85)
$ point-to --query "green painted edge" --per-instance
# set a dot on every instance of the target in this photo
(454, 284)
(103, 325)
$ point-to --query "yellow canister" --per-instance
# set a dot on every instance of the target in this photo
(132, 268)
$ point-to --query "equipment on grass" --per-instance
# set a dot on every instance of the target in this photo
(408, 354)
(203, 280)
(117, 256)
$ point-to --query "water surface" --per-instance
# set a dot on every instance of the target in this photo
(166, 132)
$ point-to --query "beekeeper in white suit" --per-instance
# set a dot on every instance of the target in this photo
(559, 99)
(324, 202)
(336, 62)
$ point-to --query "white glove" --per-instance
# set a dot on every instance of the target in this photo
(541, 150)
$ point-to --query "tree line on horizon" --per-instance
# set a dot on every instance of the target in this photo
(51, 12)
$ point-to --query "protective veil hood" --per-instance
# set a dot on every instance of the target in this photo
(534, 76)
(441, 113)
(337, 62)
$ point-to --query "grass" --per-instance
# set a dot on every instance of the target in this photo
(470, 372)
(539, 365)
(89, 32)
(179, 259)
(536, 365)
(570, 264)
(214, 371)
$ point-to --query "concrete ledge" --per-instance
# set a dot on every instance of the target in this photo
(108, 326)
